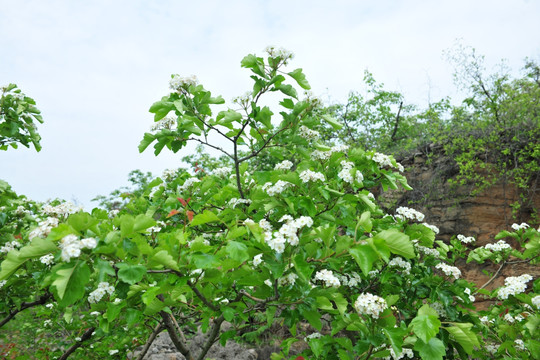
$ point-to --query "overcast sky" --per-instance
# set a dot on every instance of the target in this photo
(95, 67)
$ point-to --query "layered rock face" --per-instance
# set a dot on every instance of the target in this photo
(455, 210)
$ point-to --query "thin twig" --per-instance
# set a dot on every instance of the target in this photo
(493, 277)
(25, 305)
(150, 340)
(87, 335)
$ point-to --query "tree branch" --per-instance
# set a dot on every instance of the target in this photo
(87, 335)
(150, 340)
(174, 335)
(212, 146)
(25, 305)
(393, 137)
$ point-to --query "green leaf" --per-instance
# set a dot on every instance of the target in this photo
(204, 261)
(314, 318)
(104, 268)
(365, 221)
(163, 258)
(113, 310)
(131, 274)
(70, 281)
(237, 251)
(38, 247)
(397, 242)
(82, 221)
(365, 257)
(463, 334)
(300, 78)
(225, 118)
(287, 90)
(433, 350)
(143, 222)
(10, 264)
(206, 217)
(425, 326)
(332, 121)
(254, 63)
(395, 338)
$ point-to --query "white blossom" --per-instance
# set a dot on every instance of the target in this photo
(89, 243)
(168, 174)
(47, 259)
(222, 171)
(431, 227)
(61, 210)
(409, 213)
(513, 285)
(268, 283)
(177, 82)
(281, 53)
(307, 133)
(521, 226)
(369, 304)
(520, 345)
(465, 239)
(102, 289)
(384, 160)
(10, 246)
(328, 278)
(449, 270)
(400, 263)
(188, 183)
(44, 228)
(112, 352)
(47, 323)
(308, 175)
(284, 165)
(278, 188)
(257, 260)
(536, 301)
(288, 279)
(235, 201)
(167, 123)
(498, 246)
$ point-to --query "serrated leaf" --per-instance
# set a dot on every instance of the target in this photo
(131, 274)
(433, 350)
(70, 281)
(38, 247)
(237, 251)
(336, 124)
(206, 217)
(463, 334)
(163, 258)
(365, 256)
(300, 78)
(11, 263)
(425, 326)
(397, 242)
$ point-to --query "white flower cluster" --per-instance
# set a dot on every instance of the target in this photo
(405, 352)
(188, 183)
(168, 174)
(286, 234)
(47, 259)
(513, 285)
(468, 292)
(510, 319)
(71, 246)
(268, 283)
(102, 289)
(465, 239)
(315, 335)
(431, 227)
(492, 348)
(449, 270)
(177, 82)
(222, 171)
(257, 260)
(61, 210)
(498, 246)
(345, 173)
(439, 308)
(47, 323)
(328, 278)
(400, 263)
(10, 246)
(408, 213)
(22, 211)
(307, 133)
(278, 188)
(44, 228)
(384, 160)
(486, 321)
(325, 155)
(283, 54)
(243, 100)
(425, 250)
(2, 283)
(167, 123)
(235, 201)
(518, 227)
(289, 279)
(520, 345)
(536, 301)
(284, 165)
(308, 175)
(350, 280)
(370, 304)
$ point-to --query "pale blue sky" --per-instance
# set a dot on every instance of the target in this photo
(95, 67)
